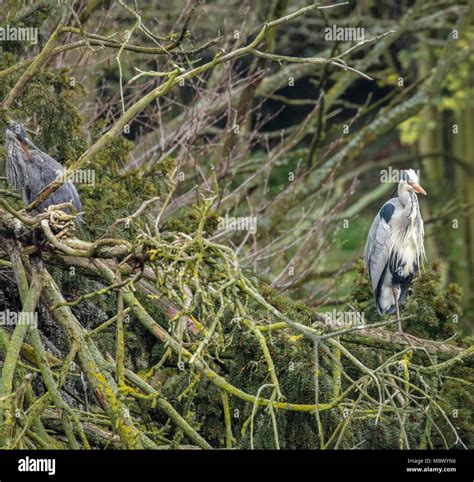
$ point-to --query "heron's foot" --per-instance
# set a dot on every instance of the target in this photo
(408, 338)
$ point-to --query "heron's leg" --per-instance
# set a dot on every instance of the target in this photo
(395, 297)
(399, 323)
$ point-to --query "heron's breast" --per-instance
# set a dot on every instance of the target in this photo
(406, 261)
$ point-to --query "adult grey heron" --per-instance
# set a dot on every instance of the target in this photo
(29, 170)
(394, 249)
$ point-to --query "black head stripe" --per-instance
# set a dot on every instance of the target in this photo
(404, 176)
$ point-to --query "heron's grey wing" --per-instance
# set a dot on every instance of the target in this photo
(379, 243)
(49, 161)
(45, 170)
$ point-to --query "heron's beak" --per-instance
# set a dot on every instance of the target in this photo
(418, 188)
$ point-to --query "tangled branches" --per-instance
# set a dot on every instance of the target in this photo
(154, 333)
(212, 307)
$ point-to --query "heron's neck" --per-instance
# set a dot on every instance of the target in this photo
(405, 197)
(409, 202)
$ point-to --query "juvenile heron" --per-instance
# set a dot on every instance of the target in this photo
(394, 249)
(29, 170)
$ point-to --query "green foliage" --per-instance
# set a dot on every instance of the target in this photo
(458, 82)
(456, 399)
(361, 296)
(433, 310)
(34, 18)
(50, 100)
(243, 365)
(187, 220)
(411, 129)
(114, 195)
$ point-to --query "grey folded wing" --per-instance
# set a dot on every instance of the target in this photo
(378, 249)
(46, 170)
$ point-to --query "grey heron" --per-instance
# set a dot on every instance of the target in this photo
(394, 250)
(29, 170)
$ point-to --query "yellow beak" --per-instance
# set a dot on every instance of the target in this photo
(418, 188)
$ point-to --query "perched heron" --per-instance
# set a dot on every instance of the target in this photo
(394, 249)
(29, 170)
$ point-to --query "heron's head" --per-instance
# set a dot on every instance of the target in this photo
(17, 137)
(409, 182)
